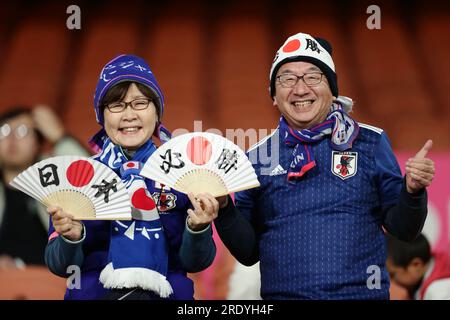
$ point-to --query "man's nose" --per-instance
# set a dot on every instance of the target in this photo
(301, 88)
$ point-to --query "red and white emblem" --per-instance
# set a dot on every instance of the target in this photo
(344, 164)
(165, 201)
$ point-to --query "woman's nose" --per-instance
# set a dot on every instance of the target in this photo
(129, 113)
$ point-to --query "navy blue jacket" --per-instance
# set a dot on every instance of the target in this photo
(188, 251)
(321, 236)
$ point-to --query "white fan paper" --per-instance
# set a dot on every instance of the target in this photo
(83, 187)
(201, 162)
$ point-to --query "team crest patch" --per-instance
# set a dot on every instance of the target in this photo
(344, 164)
(164, 201)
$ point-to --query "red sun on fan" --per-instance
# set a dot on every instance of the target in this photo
(199, 150)
(79, 173)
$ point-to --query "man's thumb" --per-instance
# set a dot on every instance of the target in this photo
(426, 147)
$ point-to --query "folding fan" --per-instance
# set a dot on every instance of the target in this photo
(201, 162)
(85, 188)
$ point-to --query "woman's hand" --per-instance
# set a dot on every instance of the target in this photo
(206, 208)
(64, 224)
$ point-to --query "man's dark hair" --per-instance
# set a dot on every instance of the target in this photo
(12, 113)
(402, 253)
(18, 111)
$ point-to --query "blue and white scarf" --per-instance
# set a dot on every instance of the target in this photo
(138, 253)
(342, 128)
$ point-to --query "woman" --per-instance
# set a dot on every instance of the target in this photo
(148, 257)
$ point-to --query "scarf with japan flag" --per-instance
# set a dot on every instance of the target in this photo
(138, 253)
(339, 125)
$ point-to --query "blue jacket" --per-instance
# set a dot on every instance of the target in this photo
(188, 251)
(321, 236)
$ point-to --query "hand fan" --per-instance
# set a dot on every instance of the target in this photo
(83, 187)
(201, 162)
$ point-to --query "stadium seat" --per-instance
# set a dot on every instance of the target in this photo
(33, 283)
(174, 49)
(33, 69)
(321, 22)
(242, 63)
(432, 28)
(107, 37)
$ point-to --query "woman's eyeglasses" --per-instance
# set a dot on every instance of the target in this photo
(137, 104)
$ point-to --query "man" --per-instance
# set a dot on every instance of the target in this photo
(315, 223)
(23, 220)
(425, 274)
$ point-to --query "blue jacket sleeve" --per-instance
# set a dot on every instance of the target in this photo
(404, 213)
(236, 231)
(406, 219)
(197, 249)
(61, 253)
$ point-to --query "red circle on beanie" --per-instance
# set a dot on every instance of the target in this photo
(292, 45)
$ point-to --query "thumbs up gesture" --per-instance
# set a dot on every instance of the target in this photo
(419, 169)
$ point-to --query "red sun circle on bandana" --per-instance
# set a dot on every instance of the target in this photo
(199, 150)
(80, 173)
(292, 46)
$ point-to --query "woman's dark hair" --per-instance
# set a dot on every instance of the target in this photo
(16, 111)
(119, 91)
(402, 253)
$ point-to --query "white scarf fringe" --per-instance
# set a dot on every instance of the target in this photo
(135, 277)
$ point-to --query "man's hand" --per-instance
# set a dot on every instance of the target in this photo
(206, 208)
(64, 224)
(419, 170)
(48, 123)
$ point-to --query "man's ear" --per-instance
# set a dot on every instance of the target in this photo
(274, 102)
